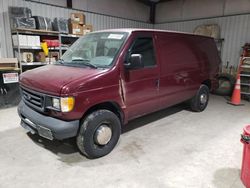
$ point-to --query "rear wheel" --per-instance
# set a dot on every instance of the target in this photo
(199, 102)
(99, 133)
(226, 85)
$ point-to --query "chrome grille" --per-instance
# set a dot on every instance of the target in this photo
(33, 99)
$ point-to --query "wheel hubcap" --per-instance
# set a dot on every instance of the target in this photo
(203, 99)
(103, 134)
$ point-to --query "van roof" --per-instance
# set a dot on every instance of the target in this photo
(130, 30)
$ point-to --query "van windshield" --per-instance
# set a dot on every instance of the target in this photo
(95, 50)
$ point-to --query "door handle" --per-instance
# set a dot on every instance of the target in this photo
(157, 83)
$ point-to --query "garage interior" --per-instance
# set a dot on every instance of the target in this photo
(171, 148)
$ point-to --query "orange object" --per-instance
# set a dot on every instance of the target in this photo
(236, 97)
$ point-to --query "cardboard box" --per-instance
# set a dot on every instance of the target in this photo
(37, 41)
(27, 57)
(21, 39)
(40, 57)
(54, 55)
(78, 18)
(29, 40)
(33, 41)
(75, 29)
(8, 62)
(87, 29)
(50, 60)
(26, 40)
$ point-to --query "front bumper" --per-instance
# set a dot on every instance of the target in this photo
(46, 126)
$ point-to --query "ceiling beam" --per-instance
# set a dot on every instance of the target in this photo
(149, 2)
(152, 13)
(152, 4)
(69, 3)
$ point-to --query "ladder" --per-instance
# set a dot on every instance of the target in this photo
(244, 69)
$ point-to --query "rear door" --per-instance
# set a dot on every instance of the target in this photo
(141, 86)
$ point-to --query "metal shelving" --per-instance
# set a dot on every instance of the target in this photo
(38, 48)
(34, 64)
(28, 47)
(69, 36)
(69, 39)
(245, 75)
(35, 32)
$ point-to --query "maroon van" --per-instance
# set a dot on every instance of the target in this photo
(107, 78)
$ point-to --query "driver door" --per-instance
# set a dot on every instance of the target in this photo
(141, 87)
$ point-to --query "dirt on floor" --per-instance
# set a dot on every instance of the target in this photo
(172, 148)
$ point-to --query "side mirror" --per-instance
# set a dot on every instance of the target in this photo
(135, 62)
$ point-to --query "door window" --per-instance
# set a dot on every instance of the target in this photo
(145, 47)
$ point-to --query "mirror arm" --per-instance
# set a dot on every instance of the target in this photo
(127, 64)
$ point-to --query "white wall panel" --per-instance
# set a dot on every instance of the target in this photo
(98, 21)
(234, 29)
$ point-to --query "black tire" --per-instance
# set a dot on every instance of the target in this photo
(226, 85)
(199, 102)
(86, 138)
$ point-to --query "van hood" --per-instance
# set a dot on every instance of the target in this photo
(51, 79)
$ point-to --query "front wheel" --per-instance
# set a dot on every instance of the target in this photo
(199, 102)
(99, 133)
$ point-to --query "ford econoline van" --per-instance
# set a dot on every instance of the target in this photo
(107, 78)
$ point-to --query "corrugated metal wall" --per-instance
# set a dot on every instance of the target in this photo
(129, 9)
(98, 21)
(234, 29)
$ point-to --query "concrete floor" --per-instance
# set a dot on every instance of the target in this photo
(173, 148)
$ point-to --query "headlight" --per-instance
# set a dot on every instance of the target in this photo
(64, 104)
(56, 103)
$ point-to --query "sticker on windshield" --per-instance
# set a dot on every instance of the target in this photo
(115, 36)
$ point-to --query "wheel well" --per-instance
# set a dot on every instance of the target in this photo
(207, 83)
(112, 106)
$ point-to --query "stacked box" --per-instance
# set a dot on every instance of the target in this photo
(26, 40)
(75, 29)
(33, 41)
(52, 58)
(77, 18)
(27, 57)
(8, 62)
(40, 56)
(77, 24)
(87, 29)
(20, 39)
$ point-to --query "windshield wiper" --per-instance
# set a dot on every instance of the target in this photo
(61, 61)
(85, 62)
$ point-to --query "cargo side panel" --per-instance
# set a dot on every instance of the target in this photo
(184, 65)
